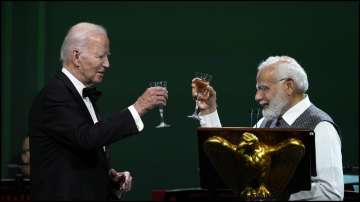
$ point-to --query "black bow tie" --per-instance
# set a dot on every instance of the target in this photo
(92, 93)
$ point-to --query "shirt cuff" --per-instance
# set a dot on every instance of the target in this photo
(210, 120)
(136, 116)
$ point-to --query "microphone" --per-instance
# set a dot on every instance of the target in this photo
(251, 117)
(257, 117)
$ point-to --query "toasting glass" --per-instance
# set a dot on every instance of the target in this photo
(202, 81)
(162, 123)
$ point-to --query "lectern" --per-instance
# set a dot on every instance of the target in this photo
(256, 163)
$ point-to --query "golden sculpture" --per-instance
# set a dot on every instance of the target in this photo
(247, 167)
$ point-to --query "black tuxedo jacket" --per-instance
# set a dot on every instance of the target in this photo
(67, 157)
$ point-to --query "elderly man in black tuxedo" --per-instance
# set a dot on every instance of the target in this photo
(68, 137)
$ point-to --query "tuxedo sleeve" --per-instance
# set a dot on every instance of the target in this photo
(64, 119)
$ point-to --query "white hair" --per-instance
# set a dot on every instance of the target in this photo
(287, 67)
(77, 37)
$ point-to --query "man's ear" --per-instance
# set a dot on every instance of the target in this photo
(290, 86)
(76, 57)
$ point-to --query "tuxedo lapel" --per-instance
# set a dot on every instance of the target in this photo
(74, 92)
(96, 109)
(81, 103)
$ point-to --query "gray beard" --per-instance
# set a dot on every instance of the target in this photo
(275, 108)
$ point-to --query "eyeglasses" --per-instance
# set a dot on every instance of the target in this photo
(284, 79)
(265, 88)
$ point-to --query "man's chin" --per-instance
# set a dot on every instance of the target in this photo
(268, 115)
(98, 79)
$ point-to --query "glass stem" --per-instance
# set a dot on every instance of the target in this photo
(161, 110)
(196, 108)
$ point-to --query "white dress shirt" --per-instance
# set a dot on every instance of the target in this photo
(80, 86)
(329, 182)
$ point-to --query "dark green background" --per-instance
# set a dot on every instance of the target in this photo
(170, 41)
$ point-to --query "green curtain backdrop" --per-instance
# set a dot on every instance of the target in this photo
(169, 41)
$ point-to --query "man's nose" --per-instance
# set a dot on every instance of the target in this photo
(106, 63)
(258, 96)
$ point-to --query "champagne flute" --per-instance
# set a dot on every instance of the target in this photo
(200, 82)
(162, 123)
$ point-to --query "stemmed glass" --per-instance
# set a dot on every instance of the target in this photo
(202, 81)
(162, 123)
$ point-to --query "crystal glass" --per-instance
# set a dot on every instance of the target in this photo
(162, 123)
(201, 80)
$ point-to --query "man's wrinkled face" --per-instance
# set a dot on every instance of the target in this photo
(270, 94)
(93, 59)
